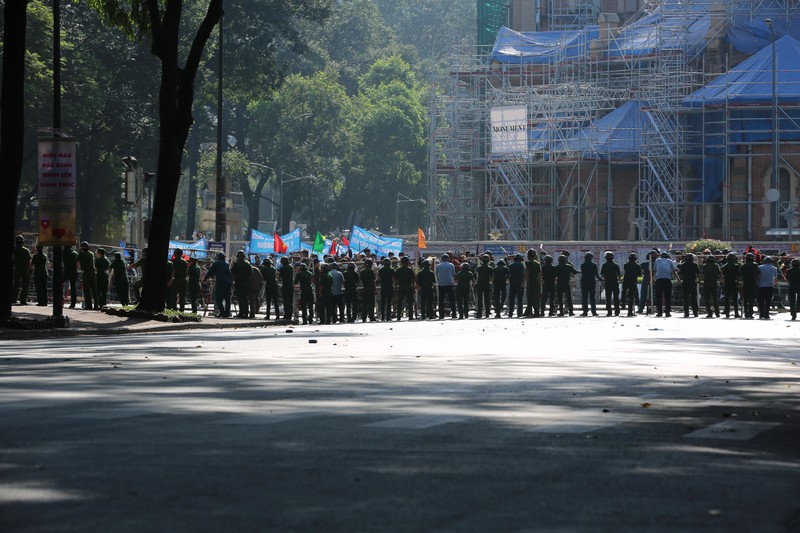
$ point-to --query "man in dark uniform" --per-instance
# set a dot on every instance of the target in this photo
(564, 273)
(270, 273)
(711, 277)
(533, 285)
(386, 275)
(647, 269)
(405, 287)
(221, 273)
(88, 277)
(549, 285)
(749, 273)
(689, 272)
(22, 271)
(483, 287)
(286, 275)
(101, 266)
(69, 260)
(368, 291)
(589, 278)
(730, 275)
(464, 280)
(141, 264)
(516, 285)
(327, 312)
(351, 280)
(178, 289)
(119, 272)
(610, 272)
(631, 271)
(426, 281)
(305, 279)
(793, 277)
(499, 280)
(240, 273)
(39, 262)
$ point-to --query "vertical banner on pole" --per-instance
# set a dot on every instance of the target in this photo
(57, 192)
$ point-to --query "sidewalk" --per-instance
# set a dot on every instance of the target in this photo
(83, 322)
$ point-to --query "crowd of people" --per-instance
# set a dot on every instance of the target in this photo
(365, 287)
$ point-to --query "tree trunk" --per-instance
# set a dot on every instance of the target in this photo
(175, 99)
(12, 131)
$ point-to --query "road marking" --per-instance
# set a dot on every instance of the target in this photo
(417, 421)
(732, 430)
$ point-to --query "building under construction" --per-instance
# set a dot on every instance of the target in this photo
(617, 120)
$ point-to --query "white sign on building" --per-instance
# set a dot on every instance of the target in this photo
(509, 129)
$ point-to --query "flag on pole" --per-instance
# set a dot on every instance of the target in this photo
(279, 246)
(333, 247)
(319, 243)
(345, 242)
(421, 243)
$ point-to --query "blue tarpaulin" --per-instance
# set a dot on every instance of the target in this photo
(618, 135)
(545, 47)
(672, 26)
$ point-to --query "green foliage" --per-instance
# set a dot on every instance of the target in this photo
(701, 244)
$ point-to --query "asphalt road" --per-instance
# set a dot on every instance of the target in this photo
(559, 424)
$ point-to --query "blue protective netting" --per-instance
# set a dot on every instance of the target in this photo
(548, 47)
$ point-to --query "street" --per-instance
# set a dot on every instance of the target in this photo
(553, 424)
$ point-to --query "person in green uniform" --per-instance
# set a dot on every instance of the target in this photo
(141, 264)
(254, 293)
(88, 277)
(589, 279)
(386, 277)
(351, 280)
(793, 277)
(730, 287)
(193, 283)
(464, 280)
(516, 285)
(119, 273)
(499, 284)
(483, 287)
(69, 261)
(631, 271)
(426, 280)
(367, 275)
(689, 273)
(405, 278)
(21, 276)
(101, 266)
(286, 274)
(241, 270)
(549, 285)
(305, 280)
(327, 312)
(564, 273)
(610, 272)
(39, 262)
(533, 285)
(178, 290)
(711, 276)
(270, 275)
(749, 274)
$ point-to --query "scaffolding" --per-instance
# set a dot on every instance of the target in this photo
(558, 189)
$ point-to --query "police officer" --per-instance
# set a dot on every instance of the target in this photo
(305, 280)
(516, 285)
(631, 271)
(270, 275)
(178, 290)
(749, 274)
(549, 285)
(533, 285)
(386, 275)
(22, 271)
(240, 273)
(564, 273)
(464, 280)
(367, 275)
(39, 262)
(793, 277)
(689, 272)
(711, 277)
(610, 272)
(499, 284)
(589, 276)
(351, 280)
(426, 281)
(483, 287)
(193, 283)
(101, 266)
(730, 276)
(405, 287)
(88, 277)
(119, 273)
(221, 273)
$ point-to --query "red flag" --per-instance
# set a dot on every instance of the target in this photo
(333, 248)
(345, 242)
(279, 246)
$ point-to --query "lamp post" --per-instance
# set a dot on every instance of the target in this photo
(400, 199)
(219, 226)
(774, 178)
(280, 206)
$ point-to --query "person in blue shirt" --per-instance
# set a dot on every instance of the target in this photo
(446, 279)
(663, 270)
(767, 276)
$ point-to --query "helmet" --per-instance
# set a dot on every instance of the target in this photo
(518, 257)
(632, 257)
(84, 244)
(445, 257)
(768, 260)
(609, 255)
(220, 256)
(19, 239)
(588, 255)
(240, 253)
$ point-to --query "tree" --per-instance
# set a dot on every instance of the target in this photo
(162, 22)
(12, 131)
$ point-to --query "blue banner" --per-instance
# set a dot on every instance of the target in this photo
(292, 240)
(196, 249)
(261, 243)
(381, 246)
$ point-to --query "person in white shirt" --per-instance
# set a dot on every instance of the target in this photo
(767, 275)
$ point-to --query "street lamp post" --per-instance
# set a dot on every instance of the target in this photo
(400, 199)
(280, 206)
(774, 178)
(219, 228)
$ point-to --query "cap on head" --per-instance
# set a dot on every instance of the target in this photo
(518, 257)
(665, 255)
(445, 257)
(220, 256)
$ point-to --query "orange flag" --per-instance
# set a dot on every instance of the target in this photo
(421, 243)
(279, 246)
